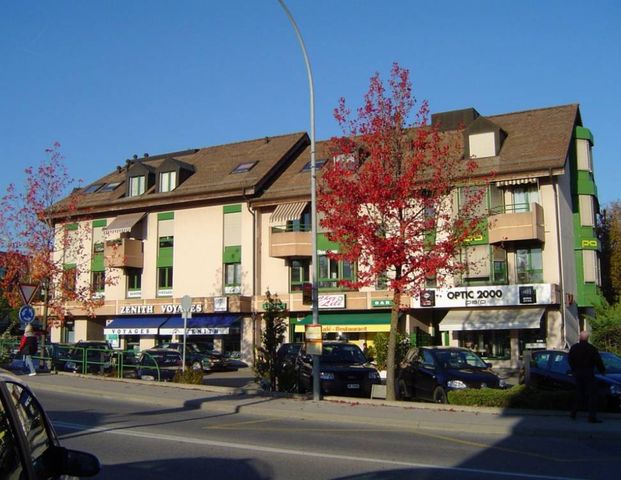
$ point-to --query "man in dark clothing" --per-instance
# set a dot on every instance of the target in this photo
(583, 360)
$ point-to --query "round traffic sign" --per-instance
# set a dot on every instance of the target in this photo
(26, 314)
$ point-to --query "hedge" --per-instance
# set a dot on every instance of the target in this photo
(519, 396)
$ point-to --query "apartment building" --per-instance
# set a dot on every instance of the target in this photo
(225, 224)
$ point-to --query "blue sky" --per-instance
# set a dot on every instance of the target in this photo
(109, 79)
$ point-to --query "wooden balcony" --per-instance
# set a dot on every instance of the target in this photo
(285, 244)
(517, 226)
(123, 252)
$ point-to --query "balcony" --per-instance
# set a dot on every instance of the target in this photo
(291, 241)
(123, 252)
(516, 223)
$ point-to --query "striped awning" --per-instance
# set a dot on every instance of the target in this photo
(286, 212)
(517, 181)
(124, 223)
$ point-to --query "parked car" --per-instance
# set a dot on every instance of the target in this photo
(287, 353)
(549, 369)
(159, 364)
(344, 370)
(91, 356)
(196, 357)
(428, 373)
(29, 446)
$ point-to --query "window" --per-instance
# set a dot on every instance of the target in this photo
(475, 197)
(560, 363)
(332, 271)
(587, 210)
(98, 281)
(477, 261)
(109, 187)
(523, 197)
(10, 464)
(168, 181)
(381, 282)
(167, 242)
(590, 266)
(302, 224)
(244, 167)
(164, 281)
(529, 265)
(300, 274)
(70, 277)
(136, 186)
(134, 282)
(482, 144)
(232, 278)
(583, 150)
(499, 256)
(318, 165)
(92, 188)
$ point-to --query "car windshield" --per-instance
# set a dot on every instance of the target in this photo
(611, 361)
(459, 359)
(342, 353)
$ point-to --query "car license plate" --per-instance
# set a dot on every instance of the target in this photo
(147, 377)
(353, 385)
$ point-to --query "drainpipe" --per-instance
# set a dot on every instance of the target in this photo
(559, 244)
(255, 273)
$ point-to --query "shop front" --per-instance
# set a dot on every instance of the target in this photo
(498, 322)
(359, 328)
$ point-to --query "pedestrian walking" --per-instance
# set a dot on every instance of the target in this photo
(28, 347)
(583, 360)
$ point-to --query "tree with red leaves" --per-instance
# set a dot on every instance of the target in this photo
(40, 236)
(387, 198)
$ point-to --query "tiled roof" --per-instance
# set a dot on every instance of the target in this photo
(212, 178)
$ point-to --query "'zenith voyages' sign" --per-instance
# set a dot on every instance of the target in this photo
(169, 309)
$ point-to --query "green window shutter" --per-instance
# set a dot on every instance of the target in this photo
(166, 216)
(69, 266)
(100, 223)
(324, 244)
(232, 254)
(232, 208)
(97, 263)
(165, 257)
(71, 226)
(584, 134)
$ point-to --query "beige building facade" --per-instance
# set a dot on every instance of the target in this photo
(226, 224)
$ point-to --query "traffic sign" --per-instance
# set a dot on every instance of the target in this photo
(27, 291)
(26, 314)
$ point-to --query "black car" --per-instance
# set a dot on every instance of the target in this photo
(197, 357)
(428, 373)
(344, 371)
(89, 357)
(159, 364)
(287, 353)
(29, 446)
(549, 369)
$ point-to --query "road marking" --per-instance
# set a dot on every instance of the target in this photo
(286, 451)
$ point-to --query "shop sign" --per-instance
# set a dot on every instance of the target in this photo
(196, 331)
(130, 331)
(313, 339)
(487, 296)
(170, 309)
(331, 301)
(381, 303)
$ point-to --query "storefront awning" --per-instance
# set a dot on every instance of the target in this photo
(202, 325)
(492, 319)
(286, 212)
(348, 322)
(124, 223)
(135, 325)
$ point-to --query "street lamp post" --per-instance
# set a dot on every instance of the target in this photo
(316, 370)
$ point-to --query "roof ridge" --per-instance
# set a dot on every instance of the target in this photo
(556, 107)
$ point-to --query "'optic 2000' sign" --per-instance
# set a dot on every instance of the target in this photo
(488, 296)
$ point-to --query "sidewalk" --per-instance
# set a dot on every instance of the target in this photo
(409, 415)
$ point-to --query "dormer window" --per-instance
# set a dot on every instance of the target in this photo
(136, 185)
(318, 165)
(244, 167)
(92, 188)
(108, 187)
(483, 138)
(168, 181)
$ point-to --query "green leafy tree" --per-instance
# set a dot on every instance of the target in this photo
(381, 349)
(609, 229)
(606, 327)
(272, 335)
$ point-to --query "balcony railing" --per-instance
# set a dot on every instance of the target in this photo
(516, 222)
(123, 252)
(291, 240)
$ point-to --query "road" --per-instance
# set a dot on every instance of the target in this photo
(135, 440)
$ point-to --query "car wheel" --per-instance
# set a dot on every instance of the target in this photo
(402, 391)
(196, 366)
(439, 395)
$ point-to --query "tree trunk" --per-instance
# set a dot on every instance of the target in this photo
(392, 346)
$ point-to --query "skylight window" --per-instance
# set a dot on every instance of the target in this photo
(318, 165)
(109, 187)
(93, 188)
(244, 167)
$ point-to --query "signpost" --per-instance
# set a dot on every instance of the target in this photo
(186, 312)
